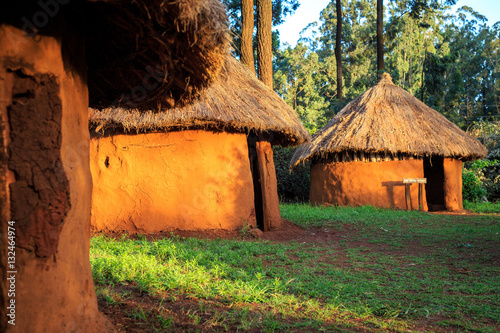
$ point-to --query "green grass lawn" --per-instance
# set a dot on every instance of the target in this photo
(482, 207)
(381, 270)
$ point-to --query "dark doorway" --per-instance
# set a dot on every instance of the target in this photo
(257, 189)
(434, 189)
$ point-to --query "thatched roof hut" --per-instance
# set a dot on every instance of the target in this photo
(226, 140)
(387, 123)
(55, 56)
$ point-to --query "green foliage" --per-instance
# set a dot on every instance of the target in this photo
(488, 132)
(358, 47)
(292, 186)
(480, 180)
(300, 78)
(472, 188)
(485, 173)
(481, 164)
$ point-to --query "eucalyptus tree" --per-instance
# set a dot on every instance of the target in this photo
(280, 10)
(338, 48)
(247, 27)
(358, 47)
(302, 79)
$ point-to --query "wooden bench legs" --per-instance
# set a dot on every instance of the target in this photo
(420, 182)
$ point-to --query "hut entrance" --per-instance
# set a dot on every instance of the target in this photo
(257, 188)
(434, 189)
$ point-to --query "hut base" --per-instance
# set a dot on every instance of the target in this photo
(186, 180)
(379, 184)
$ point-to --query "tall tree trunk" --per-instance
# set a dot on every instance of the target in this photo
(410, 76)
(404, 73)
(265, 41)
(247, 21)
(267, 171)
(338, 50)
(380, 37)
(484, 96)
(423, 77)
(45, 181)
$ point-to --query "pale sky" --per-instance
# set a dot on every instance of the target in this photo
(309, 11)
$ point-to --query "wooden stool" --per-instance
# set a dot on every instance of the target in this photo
(420, 182)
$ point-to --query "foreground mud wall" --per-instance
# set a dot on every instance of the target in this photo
(47, 184)
(185, 180)
(452, 184)
(379, 184)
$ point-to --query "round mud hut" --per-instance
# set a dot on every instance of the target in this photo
(380, 143)
(55, 57)
(207, 165)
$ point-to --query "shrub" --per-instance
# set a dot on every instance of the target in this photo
(292, 186)
(488, 132)
(472, 187)
(492, 180)
(479, 181)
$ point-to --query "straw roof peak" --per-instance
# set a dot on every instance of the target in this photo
(386, 79)
(389, 120)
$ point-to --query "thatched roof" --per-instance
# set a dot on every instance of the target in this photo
(388, 119)
(237, 101)
(153, 53)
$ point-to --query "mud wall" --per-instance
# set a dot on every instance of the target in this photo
(269, 185)
(187, 180)
(44, 126)
(452, 184)
(379, 184)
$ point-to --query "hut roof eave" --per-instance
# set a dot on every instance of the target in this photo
(236, 100)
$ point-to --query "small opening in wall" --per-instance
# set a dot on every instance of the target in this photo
(106, 162)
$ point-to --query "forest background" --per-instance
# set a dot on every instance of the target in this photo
(449, 60)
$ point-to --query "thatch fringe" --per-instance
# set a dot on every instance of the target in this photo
(236, 101)
(153, 54)
(388, 120)
(360, 156)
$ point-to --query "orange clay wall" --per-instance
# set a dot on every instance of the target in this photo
(186, 180)
(452, 184)
(269, 186)
(44, 109)
(358, 183)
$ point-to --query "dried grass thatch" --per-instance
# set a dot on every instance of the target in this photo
(388, 121)
(153, 53)
(237, 101)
